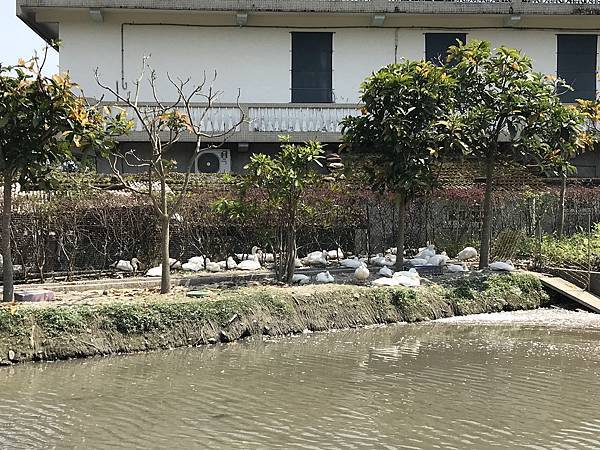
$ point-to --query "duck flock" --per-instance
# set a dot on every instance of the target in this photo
(382, 264)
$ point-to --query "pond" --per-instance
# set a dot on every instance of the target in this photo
(509, 380)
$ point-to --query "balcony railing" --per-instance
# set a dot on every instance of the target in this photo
(262, 122)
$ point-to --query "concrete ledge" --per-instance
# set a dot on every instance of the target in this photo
(338, 6)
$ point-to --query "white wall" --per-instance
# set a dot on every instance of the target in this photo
(255, 60)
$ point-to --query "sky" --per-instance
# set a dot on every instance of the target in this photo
(17, 40)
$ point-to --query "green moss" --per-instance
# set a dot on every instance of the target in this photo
(497, 292)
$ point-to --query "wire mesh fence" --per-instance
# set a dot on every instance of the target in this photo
(576, 258)
(69, 234)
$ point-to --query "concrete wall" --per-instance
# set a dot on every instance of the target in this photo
(256, 59)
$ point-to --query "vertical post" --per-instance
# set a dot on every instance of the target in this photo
(486, 228)
(368, 232)
(589, 251)
(7, 266)
(538, 232)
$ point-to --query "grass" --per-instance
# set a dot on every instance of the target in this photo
(63, 331)
(573, 251)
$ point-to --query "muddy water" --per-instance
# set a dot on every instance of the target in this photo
(521, 380)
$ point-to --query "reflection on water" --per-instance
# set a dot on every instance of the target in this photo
(470, 384)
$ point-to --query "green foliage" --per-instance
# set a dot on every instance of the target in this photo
(500, 97)
(275, 185)
(500, 93)
(591, 111)
(282, 178)
(572, 251)
(404, 126)
(42, 120)
(494, 293)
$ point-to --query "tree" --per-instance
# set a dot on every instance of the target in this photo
(164, 123)
(564, 137)
(403, 130)
(41, 121)
(500, 96)
(280, 180)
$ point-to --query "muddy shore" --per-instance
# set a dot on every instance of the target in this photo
(133, 322)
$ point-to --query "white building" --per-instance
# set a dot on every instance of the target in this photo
(298, 64)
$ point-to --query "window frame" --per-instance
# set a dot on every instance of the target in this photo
(329, 97)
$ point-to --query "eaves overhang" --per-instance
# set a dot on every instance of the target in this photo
(542, 7)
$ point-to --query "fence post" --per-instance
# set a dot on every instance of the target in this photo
(538, 243)
(589, 251)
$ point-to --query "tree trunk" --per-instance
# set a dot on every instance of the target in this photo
(165, 280)
(7, 267)
(401, 205)
(289, 245)
(486, 228)
(290, 254)
(561, 205)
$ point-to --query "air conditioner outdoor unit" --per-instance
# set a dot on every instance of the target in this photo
(214, 161)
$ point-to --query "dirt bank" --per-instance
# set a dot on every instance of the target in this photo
(67, 330)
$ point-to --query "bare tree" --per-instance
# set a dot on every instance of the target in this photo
(164, 123)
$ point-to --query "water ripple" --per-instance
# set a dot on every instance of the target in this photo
(489, 381)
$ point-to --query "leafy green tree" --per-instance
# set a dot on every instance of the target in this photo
(41, 121)
(500, 97)
(403, 130)
(280, 182)
(565, 136)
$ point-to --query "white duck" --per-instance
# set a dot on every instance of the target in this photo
(268, 257)
(457, 267)
(254, 255)
(466, 254)
(351, 263)
(174, 264)
(418, 261)
(335, 254)
(409, 278)
(411, 273)
(154, 272)
(324, 277)
(230, 263)
(438, 260)
(192, 267)
(300, 278)
(318, 258)
(384, 281)
(125, 266)
(213, 266)
(408, 281)
(249, 264)
(506, 266)
(386, 272)
(426, 252)
(388, 260)
(361, 273)
(194, 264)
(197, 260)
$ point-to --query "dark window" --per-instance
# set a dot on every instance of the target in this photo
(312, 67)
(576, 64)
(437, 44)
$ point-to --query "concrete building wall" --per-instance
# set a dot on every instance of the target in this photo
(256, 60)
